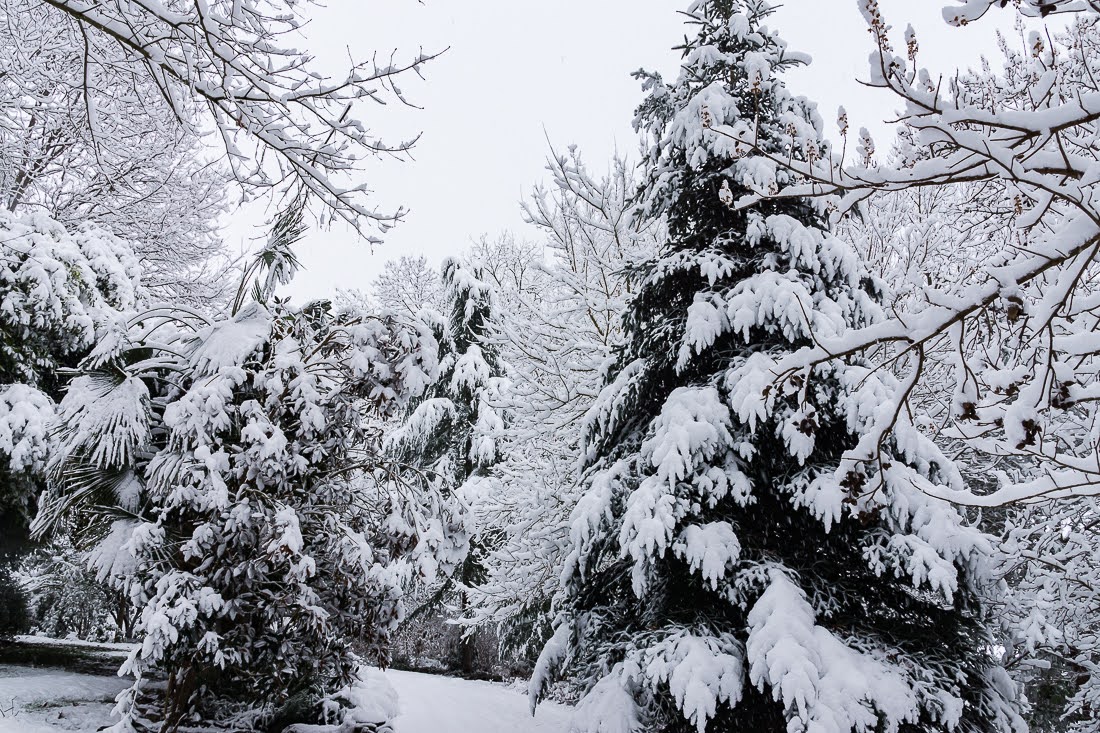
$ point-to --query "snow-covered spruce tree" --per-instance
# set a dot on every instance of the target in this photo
(451, 432)
(233, 471)
(730, 569)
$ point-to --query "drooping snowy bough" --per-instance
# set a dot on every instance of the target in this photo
(728, 568)
(281, 122)
(87, 141)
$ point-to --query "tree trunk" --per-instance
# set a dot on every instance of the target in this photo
(467, 648)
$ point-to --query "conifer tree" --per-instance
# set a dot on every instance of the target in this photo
(452, 431)
(747, 556)
(449, 429)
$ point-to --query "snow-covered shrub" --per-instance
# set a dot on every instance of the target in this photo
(25, 417)
(67, 600)
(367, 704)
(232, 469)
(57, 286)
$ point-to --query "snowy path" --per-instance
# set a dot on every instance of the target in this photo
(434, 704)
(53, 701)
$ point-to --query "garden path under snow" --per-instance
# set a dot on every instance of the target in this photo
(36, 700)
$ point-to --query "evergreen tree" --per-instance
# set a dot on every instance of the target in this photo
(452, 432)
(749, 555)
(15, 616)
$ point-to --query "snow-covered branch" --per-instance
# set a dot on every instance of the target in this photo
(86, 140)
(1028, 134)
(282, 124)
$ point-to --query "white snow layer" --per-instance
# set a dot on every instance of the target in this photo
(48, 701)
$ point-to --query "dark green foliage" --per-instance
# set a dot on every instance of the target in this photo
(301, 707)
(1048, 691)
(15, 617)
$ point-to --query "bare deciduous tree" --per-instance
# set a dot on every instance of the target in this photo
(281, 123)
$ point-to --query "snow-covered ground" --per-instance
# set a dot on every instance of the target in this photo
(435, 704)
(97, 647)
(48, 701)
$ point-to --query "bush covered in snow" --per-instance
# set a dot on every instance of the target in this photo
(57, 286)
(66, 598)
(231, 475)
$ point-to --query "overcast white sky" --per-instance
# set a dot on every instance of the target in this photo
(518, 72)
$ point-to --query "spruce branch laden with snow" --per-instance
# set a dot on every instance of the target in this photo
(1011, 344)
(1030, 132)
